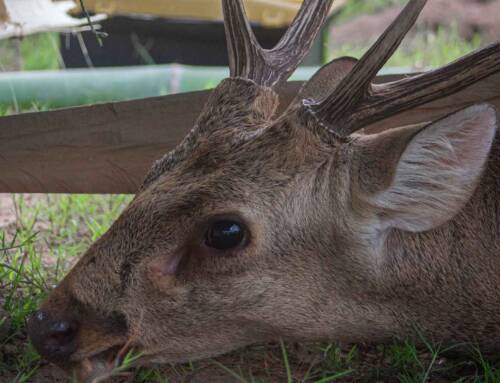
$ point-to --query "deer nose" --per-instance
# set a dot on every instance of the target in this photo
(53, 338)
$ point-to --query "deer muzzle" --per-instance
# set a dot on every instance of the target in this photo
(54, 337)
(66, 331)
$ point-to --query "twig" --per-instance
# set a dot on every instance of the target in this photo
(84, 50)
(98, 34)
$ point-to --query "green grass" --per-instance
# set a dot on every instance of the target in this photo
(41, 52)
(38, 52)
(426, 49)
(49, 234)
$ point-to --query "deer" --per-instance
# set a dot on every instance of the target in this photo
(302, 225)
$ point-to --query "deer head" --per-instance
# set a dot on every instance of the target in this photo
(259, 226)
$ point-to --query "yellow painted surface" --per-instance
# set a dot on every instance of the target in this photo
(269, 13)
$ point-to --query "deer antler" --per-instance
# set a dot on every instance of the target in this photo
(356, 102)
(249, 60)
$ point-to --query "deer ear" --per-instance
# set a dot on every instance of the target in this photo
(325, 80)
(418, 178)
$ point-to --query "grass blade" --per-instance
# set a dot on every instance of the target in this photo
(285, 361)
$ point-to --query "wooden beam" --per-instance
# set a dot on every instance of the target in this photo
(103, 148)
(108, 148)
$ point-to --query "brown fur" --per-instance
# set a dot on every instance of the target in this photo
(307, 272)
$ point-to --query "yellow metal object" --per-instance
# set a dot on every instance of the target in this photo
(268, 13)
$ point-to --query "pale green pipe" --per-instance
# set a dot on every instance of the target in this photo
(83, 86)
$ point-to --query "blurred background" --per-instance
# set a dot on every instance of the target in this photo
(142, 48)
(156, 47)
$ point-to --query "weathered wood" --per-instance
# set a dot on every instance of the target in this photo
(103, 148)
(108, 148)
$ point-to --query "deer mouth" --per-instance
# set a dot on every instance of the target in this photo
(107, 363)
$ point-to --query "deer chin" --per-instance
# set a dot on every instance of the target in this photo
(105, 363)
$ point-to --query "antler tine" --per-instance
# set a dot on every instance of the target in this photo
(357, 85)
(298, 39)
(392, 98)
(249, 60)
(245, 54)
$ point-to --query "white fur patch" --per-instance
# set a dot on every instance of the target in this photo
(439, 170)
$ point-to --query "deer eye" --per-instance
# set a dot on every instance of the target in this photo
(224, 235)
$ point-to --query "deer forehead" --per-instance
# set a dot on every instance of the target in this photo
(256, 163)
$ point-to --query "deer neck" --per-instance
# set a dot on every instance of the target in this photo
(445, 281)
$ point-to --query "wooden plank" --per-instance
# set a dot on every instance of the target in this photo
(103, 148)
(108, 148)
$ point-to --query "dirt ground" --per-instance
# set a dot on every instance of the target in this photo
(7, 212)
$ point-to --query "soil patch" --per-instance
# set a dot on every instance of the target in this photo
(7, 211)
